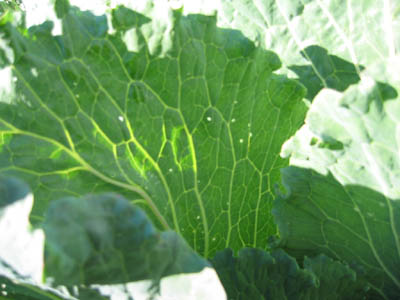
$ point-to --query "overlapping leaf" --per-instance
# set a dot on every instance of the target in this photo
(103, 239)
(260, 275)
(180, 116)
(101, 247)
(347, 204)
(21, 250)
(325, 43)
(351, 135)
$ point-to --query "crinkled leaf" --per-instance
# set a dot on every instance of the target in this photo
(103, 239)
(336, 281)
(325, 43)
(364, 121)
(260, 275)
(257, 274)
(350, 208)
(106, 243)
(182, 117)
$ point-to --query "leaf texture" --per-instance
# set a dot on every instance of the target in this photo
(261, 275)
(324, 43)
(101, 247)
(181, 117)
(346, 203)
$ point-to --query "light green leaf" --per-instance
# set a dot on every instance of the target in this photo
(324, 42)
(181, 117)
(353, 135)
(347, 203)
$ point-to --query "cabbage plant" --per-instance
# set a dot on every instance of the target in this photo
(218, 149)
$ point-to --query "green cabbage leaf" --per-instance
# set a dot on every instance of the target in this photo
(101, 247)
(154, 138)
(342, 188)
(183, 118)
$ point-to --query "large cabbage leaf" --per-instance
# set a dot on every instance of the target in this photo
(101, 247)
(181, 117)
(325, 43)
(346, 204)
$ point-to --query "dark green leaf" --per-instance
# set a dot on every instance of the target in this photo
(259, 275)
(105, 240)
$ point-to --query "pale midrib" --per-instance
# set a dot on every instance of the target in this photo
(163, 179)
(350, 15)
(347, 42)
(331, 219)
(257, 4)
(371, 244)
(29, 171)
(381, 181)
(198, 196)
(228, 236)
(299, 45)
(388, 24)
(377, 173)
